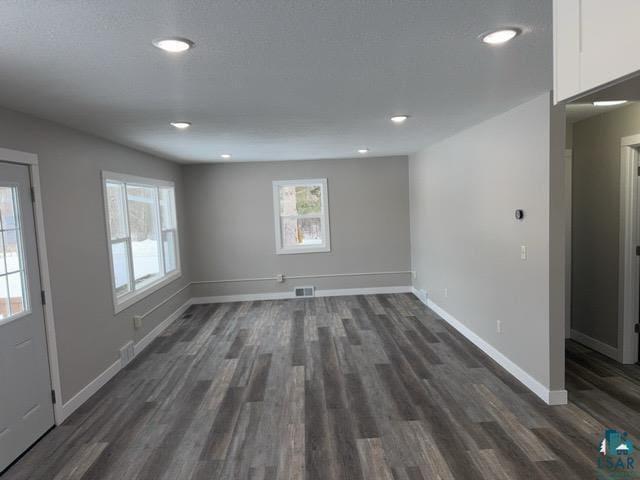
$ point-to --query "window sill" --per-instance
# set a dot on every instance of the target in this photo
(290, 251)
(131, 299)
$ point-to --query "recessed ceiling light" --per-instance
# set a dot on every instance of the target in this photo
(608, 103)
(181, 125)
(174, 44)
(226, 156)
(500, 36)
(399, 118)
(363, 150)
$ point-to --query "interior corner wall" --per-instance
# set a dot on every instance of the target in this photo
(88, 333)
(596, 221)
(466, 242)
(232, 236)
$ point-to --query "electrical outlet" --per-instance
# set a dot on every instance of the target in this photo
(446, 293)
(414, 274)
(137, 321)
(523, 252)
(280, 277)
(499, 326)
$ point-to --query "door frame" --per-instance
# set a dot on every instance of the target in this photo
(31, 161)
(568, 189)
(629, 266)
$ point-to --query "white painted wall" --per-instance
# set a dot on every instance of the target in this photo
(465, 240)
(89, 334)
(230, 221)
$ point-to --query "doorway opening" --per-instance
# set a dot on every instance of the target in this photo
(604, 211)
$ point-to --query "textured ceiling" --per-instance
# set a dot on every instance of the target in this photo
(271, 79)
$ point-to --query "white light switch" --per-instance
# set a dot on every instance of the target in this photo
(523, 252)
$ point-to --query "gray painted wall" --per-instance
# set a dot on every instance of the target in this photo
(464, 237)
(596, 221)
(231, 224)
(89, 335)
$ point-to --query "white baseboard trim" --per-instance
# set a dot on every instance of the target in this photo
(83, 395)
(597, 345)
(551, 397)
(97, 383)
(249, 297)
(420, 294)
(161, 327)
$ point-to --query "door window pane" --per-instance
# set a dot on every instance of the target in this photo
(115, 201)
(5, 311)
(13, 288)
(2, 259)
(16, 293)
(7, 207)
(120, 257)
(143, 229)
(11, 250)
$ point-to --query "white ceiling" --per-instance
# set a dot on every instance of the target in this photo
(271, 79)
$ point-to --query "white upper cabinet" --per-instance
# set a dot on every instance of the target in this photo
(595, 42)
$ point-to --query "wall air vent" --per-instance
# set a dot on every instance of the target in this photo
(303, 292)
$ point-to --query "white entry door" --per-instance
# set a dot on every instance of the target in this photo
(26, 406)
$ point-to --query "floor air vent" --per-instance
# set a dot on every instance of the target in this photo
(304, 291)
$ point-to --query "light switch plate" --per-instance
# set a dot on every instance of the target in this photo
(523, 252)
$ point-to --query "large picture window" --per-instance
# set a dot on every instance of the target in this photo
(143, 236)
(301, 216)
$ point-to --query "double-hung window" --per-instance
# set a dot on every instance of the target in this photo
(301, 211)
(143, 236)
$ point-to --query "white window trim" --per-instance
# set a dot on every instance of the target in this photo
(124, 302)
(324, 216)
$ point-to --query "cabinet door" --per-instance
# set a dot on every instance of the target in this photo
(595, 42)
(610, 41)
(566, 48)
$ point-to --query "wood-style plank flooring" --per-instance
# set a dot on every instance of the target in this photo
(366, 387)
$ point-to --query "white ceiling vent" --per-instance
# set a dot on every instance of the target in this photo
(304, 291)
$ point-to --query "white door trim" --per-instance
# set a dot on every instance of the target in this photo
(568, 185)
(629, 271)
(31, 160)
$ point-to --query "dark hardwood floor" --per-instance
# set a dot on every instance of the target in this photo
(368, 387)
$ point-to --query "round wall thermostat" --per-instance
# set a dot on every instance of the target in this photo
(519, 214)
